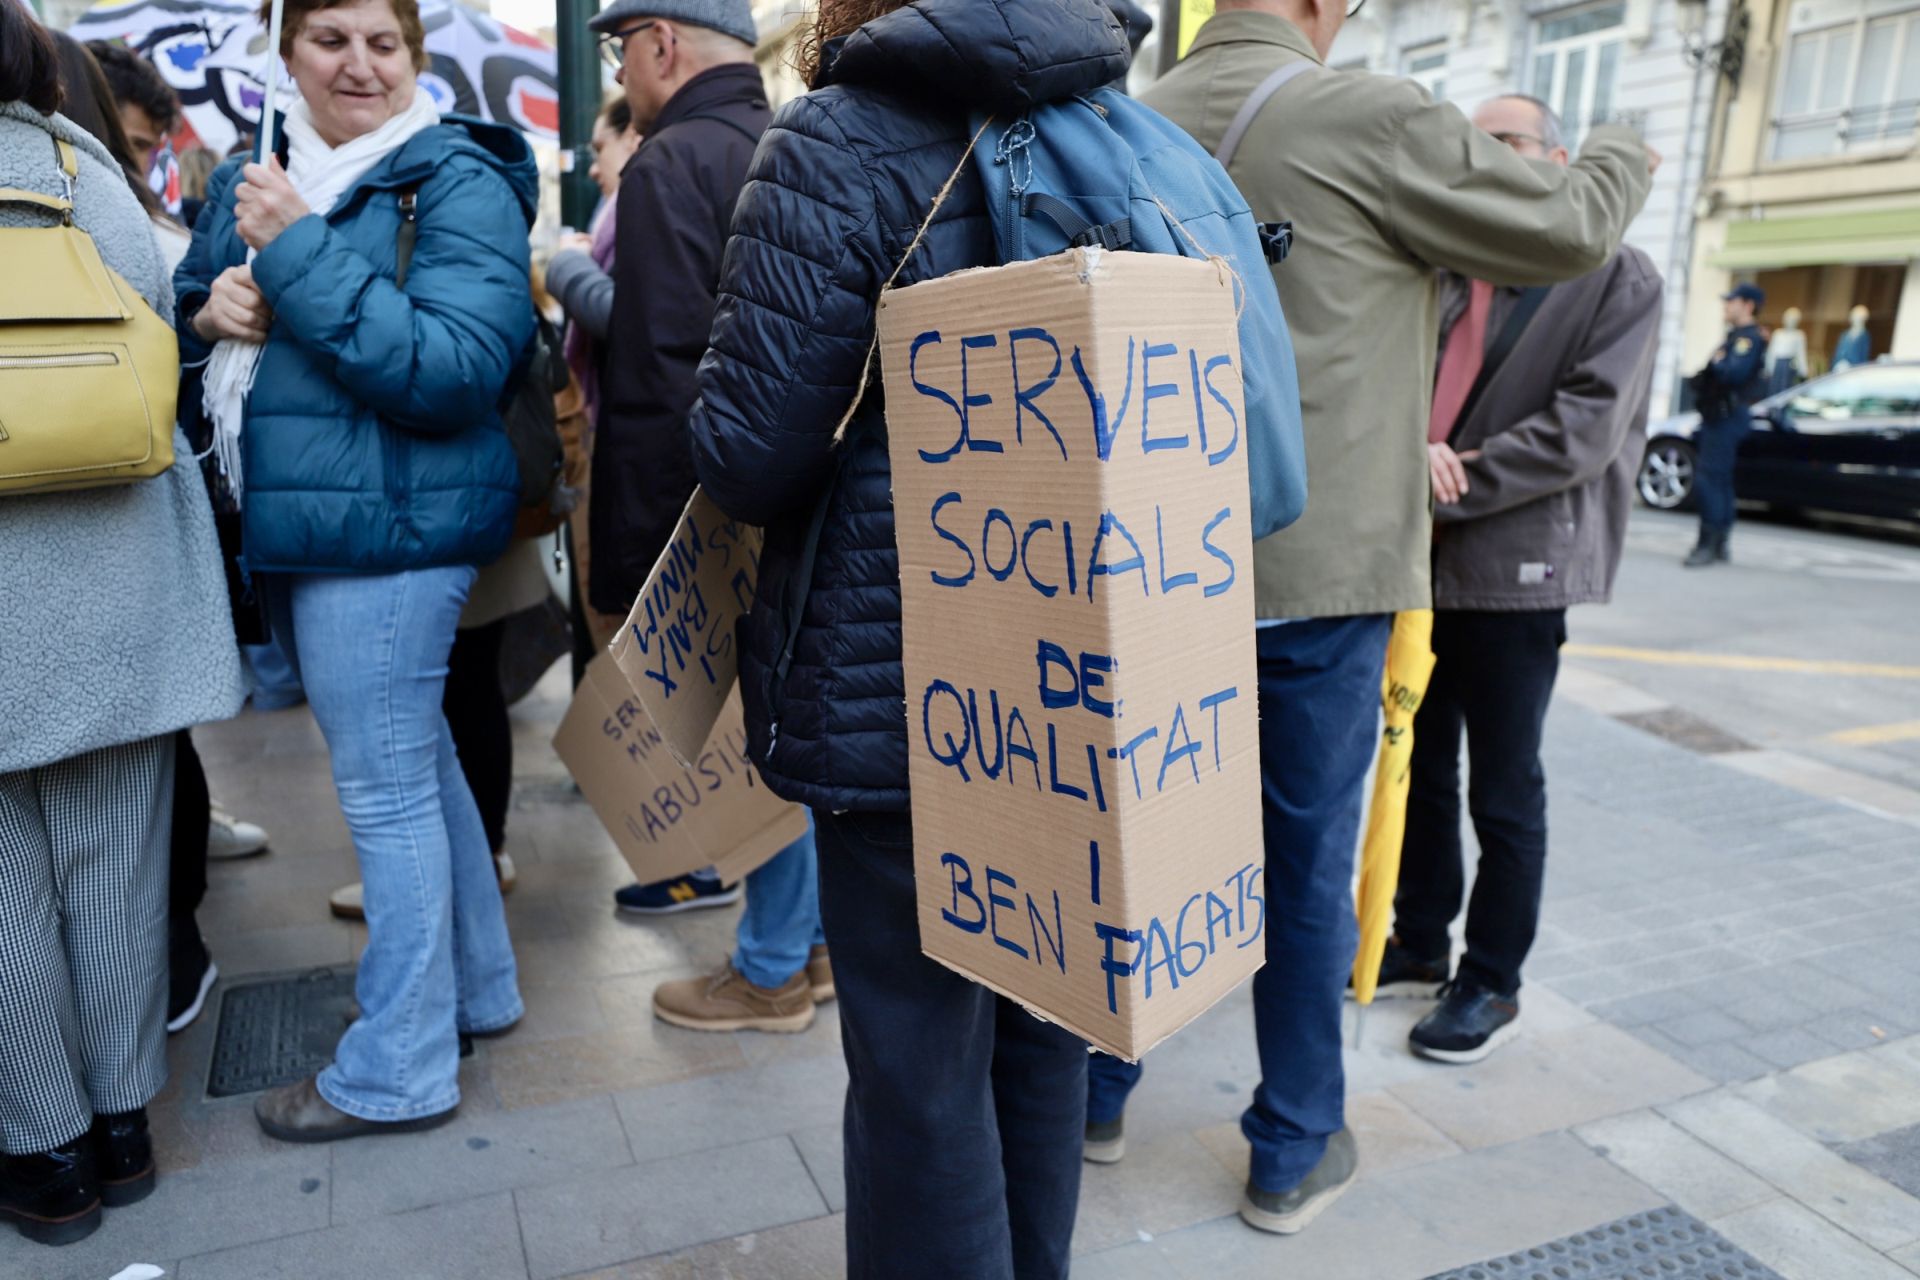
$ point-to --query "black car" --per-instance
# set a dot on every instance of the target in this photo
(1846, 442)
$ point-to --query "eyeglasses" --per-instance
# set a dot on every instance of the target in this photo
(613, 45)
(1515, 139)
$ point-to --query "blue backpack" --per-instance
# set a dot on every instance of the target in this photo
(1105, 170)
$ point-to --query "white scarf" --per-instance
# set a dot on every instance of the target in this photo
(321, 174)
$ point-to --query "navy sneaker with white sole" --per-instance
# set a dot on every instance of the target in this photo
(1469, 1023)
(668, 897)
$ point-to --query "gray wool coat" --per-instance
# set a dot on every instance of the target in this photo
(114, 621)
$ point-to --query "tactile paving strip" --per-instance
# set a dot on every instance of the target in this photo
(1664, 1244)
(280, 1030)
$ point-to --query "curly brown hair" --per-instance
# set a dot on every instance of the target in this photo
(295, 16)
(835, 18)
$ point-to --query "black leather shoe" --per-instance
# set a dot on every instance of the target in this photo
(1407, 976)
(52, 1196)
(1470, 1023)
(123, 1157)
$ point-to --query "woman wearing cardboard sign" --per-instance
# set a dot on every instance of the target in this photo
(963, 1110)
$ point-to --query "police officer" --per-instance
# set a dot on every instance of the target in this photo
(1724, 390)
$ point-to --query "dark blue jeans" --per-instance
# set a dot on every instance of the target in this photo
(1719, 445)
(964, 1111)
(1319, 729)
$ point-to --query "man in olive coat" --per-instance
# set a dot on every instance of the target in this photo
(1382, 185)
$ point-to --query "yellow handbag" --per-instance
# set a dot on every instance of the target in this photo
(89, 374)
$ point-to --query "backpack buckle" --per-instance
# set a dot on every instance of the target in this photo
(1276, 241)
(1111, 235)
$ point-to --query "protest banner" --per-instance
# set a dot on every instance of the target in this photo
(668, 818)
(677, 649)
(1071, 506)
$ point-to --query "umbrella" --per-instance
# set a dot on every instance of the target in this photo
(1404, 684)
(214, 54)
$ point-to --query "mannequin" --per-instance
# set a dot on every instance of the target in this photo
(1787, 353)
(1855, 346)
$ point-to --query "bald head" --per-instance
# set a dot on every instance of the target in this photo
(1526, 124)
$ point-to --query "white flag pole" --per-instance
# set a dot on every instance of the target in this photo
(272, 102)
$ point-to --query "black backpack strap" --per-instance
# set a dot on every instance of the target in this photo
(1503, 345)
(1080, 233)
(409, 231)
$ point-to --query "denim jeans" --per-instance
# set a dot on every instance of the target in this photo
(1493, 680)
(963, 1110)
(1319, 730)
(371, 651)
(781, 923)
(1719, 447)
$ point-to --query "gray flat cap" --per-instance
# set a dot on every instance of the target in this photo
(729, 17)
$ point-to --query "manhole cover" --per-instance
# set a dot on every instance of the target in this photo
(1665, 1244)
(1684, 729)
(276, 1031)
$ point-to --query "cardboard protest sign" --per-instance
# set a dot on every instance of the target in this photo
(677, 649)
(669, 819)
(1070, 495)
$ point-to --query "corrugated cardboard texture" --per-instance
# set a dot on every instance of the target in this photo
(1070, 494)
(668, 819)
(677, 649)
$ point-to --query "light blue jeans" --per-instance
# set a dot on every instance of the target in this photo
(371, 651)
(781, 923)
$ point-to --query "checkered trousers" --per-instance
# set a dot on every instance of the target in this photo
(83, 940)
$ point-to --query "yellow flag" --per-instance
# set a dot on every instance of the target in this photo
(1193, 14)
(1402, 686)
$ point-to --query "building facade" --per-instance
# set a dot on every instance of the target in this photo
(1814, 186)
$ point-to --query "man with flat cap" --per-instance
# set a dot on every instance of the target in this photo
(1724, 391)
(687, 69)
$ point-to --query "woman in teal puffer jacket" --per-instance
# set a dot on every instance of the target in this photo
(357, 422)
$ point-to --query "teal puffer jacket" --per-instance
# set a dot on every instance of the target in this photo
(373, 440)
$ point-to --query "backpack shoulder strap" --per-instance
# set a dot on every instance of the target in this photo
(1503, 344)
(70, 174)
(1243, 118)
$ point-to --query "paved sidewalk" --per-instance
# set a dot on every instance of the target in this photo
(1721, 1064)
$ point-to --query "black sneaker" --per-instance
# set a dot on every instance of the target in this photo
(53, 1196)
(1406, 976)
(1470, 1023)
(191, 975)
(1106, 1142)
(1287, 1213)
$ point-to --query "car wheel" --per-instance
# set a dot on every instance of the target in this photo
(1666, 475)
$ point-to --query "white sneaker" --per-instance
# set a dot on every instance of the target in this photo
(229, 838)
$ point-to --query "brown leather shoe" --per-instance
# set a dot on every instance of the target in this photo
(297, 1113)
(820, 974)
(728, 1002)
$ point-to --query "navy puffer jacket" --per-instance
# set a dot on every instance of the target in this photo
(842, 180)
